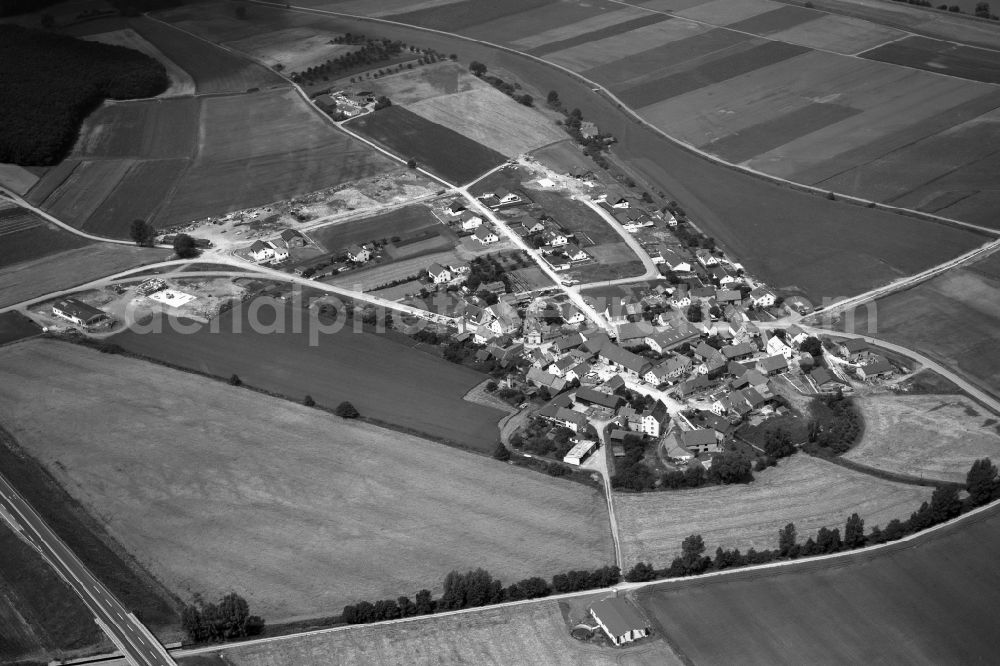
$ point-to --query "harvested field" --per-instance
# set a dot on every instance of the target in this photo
(40, 617)
(544, 16)
(840, 34)
(213, 498)
(434, 147)
(16, 179)
(959, 316)
(181, 82)
(930, 436)
(149, 129)
(15, 326)
(26, 236)
(213, 69)
(402, 222)
(776, 20)
(809, 492)
(90, 183)
(603, 32)
(455, 16)
(724, 12)
(617, 47)
(70, 267)
(383, 369)
(295, 49)
(936, 597)
(137, 196)
(526, 635)
(492, 119)
(580, 31)
(942, 57)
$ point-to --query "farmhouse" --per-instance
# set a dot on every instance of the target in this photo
(455, 208)
(280, 251)
(772, 365)
(619, 621)
(825, 381)
(292, 238)
(580, 451)
(589, 396)
(563, 416)
(470, 221)
(853, 349)
(762, 297)
(649, 422)
(776, 346)
(438, 273)
(486, 236)
(664, 340)
(540, 378)
(673, 261)
(701, 441)
(359, 254)
(877, 367)
(261, 251)
(79, 312)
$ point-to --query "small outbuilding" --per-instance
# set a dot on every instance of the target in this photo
(622, 623)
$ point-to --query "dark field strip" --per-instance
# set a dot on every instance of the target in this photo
(778, 131)
(381, 375)
(668, 55)
(776, 20)
(136, 197)
(930, 602)
(15, 326)
(711, 72)
(594, 35)
(34, 242)
(941, 57)
(445, 152)
(540, 19)
(49, 182)
(402, 222)
(455, 16)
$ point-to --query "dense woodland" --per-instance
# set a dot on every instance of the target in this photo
(45, 103)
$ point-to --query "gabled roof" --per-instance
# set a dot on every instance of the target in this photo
(615, 354)
(79, 309)
(704, 437)
(633, 331)
(760, 292)
(436, 269)
(878, 365)
(483, 232)
(706, 350)
(618, 616)
(771, 363)
(734, 351)
(259, 245)
(822, 376)
(855, 345)
(728, 295)
(355, 250)
(594, 397)
(456, 206)
(289, 234)
(568, 342)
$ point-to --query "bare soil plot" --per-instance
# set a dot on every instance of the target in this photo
(489, 117)
(40, 617)
(212, 68)
(724, 12)
(300, 512)
(181, 82)
(148, 129)
(580, 29)
(936, 437)
(67, 268)
(25, 236)
(455, 16)
(943, 57)
(525, 635)
(935, 597)
(442, 150)
(608, 50)
(809, 492)
(841, 34)
(959, 316)
(295, 49)
(612, 253)
(402, 222)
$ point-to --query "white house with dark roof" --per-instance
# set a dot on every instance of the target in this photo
(79, 313)
(439, 273)
(261, 251)
(622, 623)
(470, 221)
(762, 297)
(359, 254)
(485, 235)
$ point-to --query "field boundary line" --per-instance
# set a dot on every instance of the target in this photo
(627, 109)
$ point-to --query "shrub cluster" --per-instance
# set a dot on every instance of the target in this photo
(230, 618)
(52, 82)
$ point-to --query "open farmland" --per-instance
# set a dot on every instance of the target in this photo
(384, 371)
(300, 511)
(40, 617)
(525, 635)
(159, 129)
(25, 236)
(930, 436)
(434, 147)
(15, 326)
(958, 322)
(369, 279)
(931, 601)
(402, 222)
(455, 16)
(809, 492)
(936, 55)
(181, 82)
(295, 49)
(214, 70)
(69, 267)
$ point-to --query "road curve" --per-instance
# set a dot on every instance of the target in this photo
(131, 637)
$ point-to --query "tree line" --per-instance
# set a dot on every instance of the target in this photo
(982, 485)
(52, 82)
(478, 588)
(229, 618)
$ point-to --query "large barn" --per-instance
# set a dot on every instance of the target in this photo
(79, 312)
(619, 620)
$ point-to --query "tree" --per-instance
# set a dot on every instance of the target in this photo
(382, 102)
(828, 541)
(692, 559)
(142, 232)
(787, 545)
(477, 68)
(983, 10)
(424, 602)
(694, 313)
(411, 163)
(346, 410)
(185, 247)
(552, 99)
(501, 452)
(854, 532)
(945, 504)
(779, 444)
(526, 100)
(729, 467)
(981, 482)
(235, 380)
(308, 401)
(812, 345)
(640, 573)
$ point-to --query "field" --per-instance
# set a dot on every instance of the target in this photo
(26, 236)
(384, 371)
(525, 635)
(455, 16)
(403, 222)
(181, 82)
(39, 615)
(939, 56)
(295, 49)
(926, 602)
(16, 179)
(369, 279)
(803, 490)
(68, 268)
(931, 436)
(15, 326)
(299, 511)
(447, 153)
(959, 318)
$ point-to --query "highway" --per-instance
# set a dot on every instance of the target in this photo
(124, 629)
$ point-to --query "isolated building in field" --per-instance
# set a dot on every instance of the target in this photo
(622, 623)
(359, 254)
(79, 313)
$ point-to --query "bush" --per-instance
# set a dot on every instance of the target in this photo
(501, 452)
(308, 401)
(346, 410)
(235, 380)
